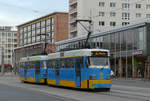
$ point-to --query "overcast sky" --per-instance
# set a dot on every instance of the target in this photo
(15, 12)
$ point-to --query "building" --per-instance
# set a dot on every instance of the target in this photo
(105, 14)
(8, 41)
(39, 35)
(129, 47)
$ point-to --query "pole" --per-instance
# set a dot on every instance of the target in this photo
(2, 62)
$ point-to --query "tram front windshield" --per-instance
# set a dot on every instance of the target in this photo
(98, 62)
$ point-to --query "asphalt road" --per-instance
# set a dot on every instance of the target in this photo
(122, 90)
(8, 93)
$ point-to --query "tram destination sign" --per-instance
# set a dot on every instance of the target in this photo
(95, 53)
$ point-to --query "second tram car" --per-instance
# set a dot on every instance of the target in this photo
(33, 69)
(84, 68)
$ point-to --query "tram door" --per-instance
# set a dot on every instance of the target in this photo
(25, 74)
(57, 72)
(78, 71)
(37, 70)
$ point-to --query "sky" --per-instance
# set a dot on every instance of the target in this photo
(16, 12)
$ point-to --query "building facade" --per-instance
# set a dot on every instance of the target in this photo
(105, 14)
(129, 47)
(39, 35)
(8, 41)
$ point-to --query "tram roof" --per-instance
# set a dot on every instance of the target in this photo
(33, 58)
(102, 33)
(75, 53)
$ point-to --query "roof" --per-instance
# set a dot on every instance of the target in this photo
(33, 58)
(102, 33)
(72, 53)
(42, 17)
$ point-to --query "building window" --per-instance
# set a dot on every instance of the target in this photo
(126, 16)
(15, 34)
(15, 40)
(138, 15)
(38, 38)
(48, 21)
(43, 37)
(112, 23)
(33, 26)
(148, 15)
(33, 33)
(52, 20)
(38, 25)
(125, 6)
(43, 23)
(29, 28)
(125, 23)
(9, 40)
(52, 27)
(138, 5)
(101, 14)
(43, 30)
(148, 6)
(33, 39)
(101, 4)
(25, 41)
(47, 28)
(112, 14)
(112, 4)
(38, 31)
(101, 23)
(29, 34)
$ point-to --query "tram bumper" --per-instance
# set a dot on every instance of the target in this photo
(100, 84)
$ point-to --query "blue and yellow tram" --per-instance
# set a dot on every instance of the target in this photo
(33, 69)
(84, 68)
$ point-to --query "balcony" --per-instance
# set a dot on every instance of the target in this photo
(72, 20)
(73, 29)
(72, 1)
(73, 10)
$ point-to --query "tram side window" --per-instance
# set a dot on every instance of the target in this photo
(37, 64)
(21, 65)
(29, 65)
(69, 63)
(62, 63)
(57, 63)
(51, 64)
(33, 64)
(79, 62)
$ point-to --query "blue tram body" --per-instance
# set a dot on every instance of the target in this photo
(85, 69)
(33, 69)
(71, 69)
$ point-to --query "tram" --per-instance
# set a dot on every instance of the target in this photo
(83, 68)
(33, 69)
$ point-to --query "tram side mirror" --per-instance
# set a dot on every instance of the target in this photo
(87, 62)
